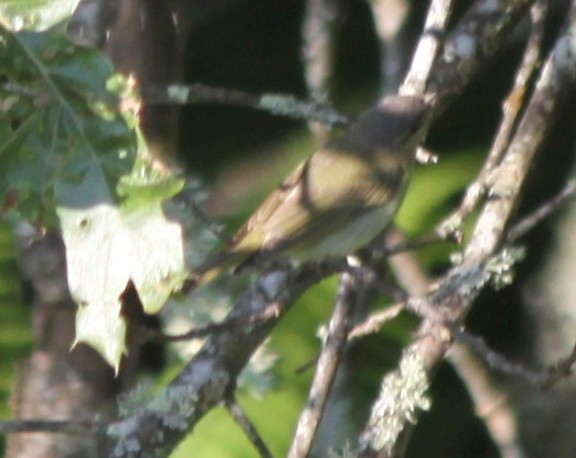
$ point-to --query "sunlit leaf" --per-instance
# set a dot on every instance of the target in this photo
(70, 153)
(36, 14)
(108, 246)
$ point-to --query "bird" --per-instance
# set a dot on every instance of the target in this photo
(338, 200)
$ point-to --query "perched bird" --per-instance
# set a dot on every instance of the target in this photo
(339, 199)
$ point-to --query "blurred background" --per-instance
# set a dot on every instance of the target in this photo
(241, 154)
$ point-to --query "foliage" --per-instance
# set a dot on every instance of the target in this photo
(74, 159)
(36, 14)
(72, 156)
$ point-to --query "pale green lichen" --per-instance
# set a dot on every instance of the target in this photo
(290, 106)
(456, 258)
(346, 452)
(403, 394)
(175, 406)
(450, 227)
(468, 280)
(127, 443)
(178, 93)
(500, 268)
(130, 401)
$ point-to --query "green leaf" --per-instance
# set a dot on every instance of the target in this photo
(36, 14)
(108, 246)
(61, 121)
(68, 152)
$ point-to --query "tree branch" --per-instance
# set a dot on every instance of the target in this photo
(206, 379)
(276, 104)
(428, 47)
(543, 379)
(526, 224)
(244, 422)
(476, 38)
(328, 362)
(72, 426)
(449, 299)
(389, 19)
(209, 376)
(511, 108)
(318, 50)
(490, 402)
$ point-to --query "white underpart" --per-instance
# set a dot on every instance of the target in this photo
(354, 235)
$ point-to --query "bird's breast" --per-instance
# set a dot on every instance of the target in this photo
(350, 237)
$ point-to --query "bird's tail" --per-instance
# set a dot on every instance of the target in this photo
(212, 269)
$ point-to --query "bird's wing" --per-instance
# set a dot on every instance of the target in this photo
(270, 205)
(317, 199)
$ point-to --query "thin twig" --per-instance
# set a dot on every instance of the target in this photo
(529, 222)
(230, 323)
(328, 362)
(190, 200)
(212, 372)
(556, 76)
(428, 46)
(370, 325)
(485, 20)
(560, 370)
(72, 426)
(415, 244)
(374, 322)
(543, 379)
(249, 429)
(277, 104)
(389, 18)
(204, 381)
(407, 269)
(511, 110)
(318, 32)
(307, 365)
(375, 281)
(490, 401)
(476, 37)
